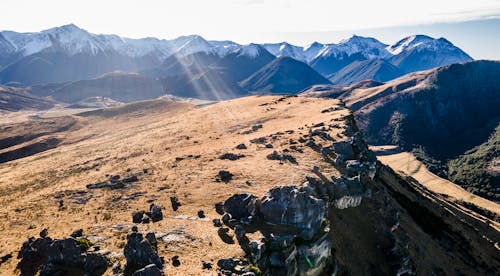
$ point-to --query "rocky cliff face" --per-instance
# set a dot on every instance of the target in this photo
(368, 221)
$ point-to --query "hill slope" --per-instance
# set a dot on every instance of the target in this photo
(283, 75)
(374, 69)
(456, 105)
(179, 151)
(13, 99)
(118, 86)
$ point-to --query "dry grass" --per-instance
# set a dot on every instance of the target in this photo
(409, 165)
(152, 141)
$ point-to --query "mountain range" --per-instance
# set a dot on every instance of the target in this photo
(69, 53)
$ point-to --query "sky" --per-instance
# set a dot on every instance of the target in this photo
(472, 25)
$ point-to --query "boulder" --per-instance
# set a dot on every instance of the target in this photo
(223, 234)
(137, 216)
(130, 179)
(231, 156)
(241, 146)
(295, 209)
(345, 149)
(77, 233)
(95, 264)
(175, 203)
(225, 176)
(219, 208)
(175, 261)
(139, 253)
(149, 270)
(241, 205)
(156, 214)
(228, 264)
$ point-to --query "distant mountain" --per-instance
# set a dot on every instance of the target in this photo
(117, 86)
(14, 99)
(335, 91)
(283, 75)
(420, 52)
(210, 77)
(178, 64)
(440, 114)
(210, 84)
(245, 61)
(370, 69)
(69, 53)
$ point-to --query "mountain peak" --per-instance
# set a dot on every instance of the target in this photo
(251, 50)
(68, 28)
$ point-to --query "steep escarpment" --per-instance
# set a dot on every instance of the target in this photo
(439, 114)
(368, 221)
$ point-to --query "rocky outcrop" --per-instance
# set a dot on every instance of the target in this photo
(141, 254)
(295, 220)
(48, 256)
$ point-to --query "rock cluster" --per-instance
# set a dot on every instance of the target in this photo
(294, 220)
(141, 255)
(281, 157)
(154, 214)
(69, 256)
(114, 182)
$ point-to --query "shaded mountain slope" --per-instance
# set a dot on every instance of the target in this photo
(478, 169)
(283, 75)
(13, 99)
(373, 69)
(55, 65)
(440, 113)
(119, 86)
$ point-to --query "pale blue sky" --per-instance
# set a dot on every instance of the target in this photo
(244, 21)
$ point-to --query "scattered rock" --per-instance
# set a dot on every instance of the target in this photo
(217, 222)
(231, 156)
(260, 140)
(114, 178)
(269, 146)
(225, 237)
(175, 203)
(5, 258)
(44, 233)
(228, 264)
(282, 157)
(155, 211)
(241, 146)
(137, 216)
(175, 261)
(130, 179)
(201, 214)
(206, 265)
(77, 233)
(225, 176)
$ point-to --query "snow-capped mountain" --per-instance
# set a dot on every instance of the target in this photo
(420, 52)
(71, 53)
(74, 40)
